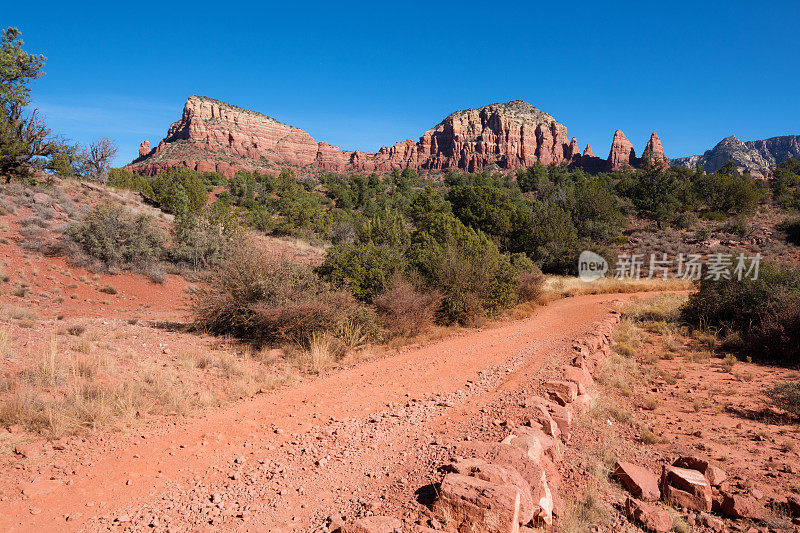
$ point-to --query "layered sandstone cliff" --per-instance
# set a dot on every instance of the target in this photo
(215, 136)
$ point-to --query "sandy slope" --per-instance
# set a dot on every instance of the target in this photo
(360, 440)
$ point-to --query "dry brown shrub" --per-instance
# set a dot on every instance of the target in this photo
(531, 287)
(405, 311)
(264, 298)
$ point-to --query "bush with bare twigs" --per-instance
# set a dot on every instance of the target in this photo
(265, 298)
(404, 310)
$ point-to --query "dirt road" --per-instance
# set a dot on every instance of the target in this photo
(364, 439)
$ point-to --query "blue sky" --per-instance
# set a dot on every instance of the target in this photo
(360, 75)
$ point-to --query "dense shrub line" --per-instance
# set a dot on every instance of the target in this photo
(476, 243)
(764, 313)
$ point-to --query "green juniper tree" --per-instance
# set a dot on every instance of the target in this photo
(24, 137)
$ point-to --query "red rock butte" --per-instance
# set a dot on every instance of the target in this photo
(218, 137)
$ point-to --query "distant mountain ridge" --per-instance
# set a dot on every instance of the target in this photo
(215, 136)
(758, 158)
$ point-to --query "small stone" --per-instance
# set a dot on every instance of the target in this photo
(712, 522)
(650, 517)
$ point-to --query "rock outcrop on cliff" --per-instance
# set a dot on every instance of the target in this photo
(214, 136)
(622, 152)
(655, 152)
(758, 158)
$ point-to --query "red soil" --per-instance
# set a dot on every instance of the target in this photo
(349, 442)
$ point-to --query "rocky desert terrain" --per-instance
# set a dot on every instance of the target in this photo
(566, 417)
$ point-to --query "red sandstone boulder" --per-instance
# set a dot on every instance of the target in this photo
(741, 506)
(532, 438)
(581, 377)
(508, 456)
(639, 481)
(541, 416)
(498, 474)
(561, 415)
(489, 507)
(686, 488)
(561, 391)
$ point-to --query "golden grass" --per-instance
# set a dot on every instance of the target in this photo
(584, 512)
(59, 392)
(320, 355)
(565, 286)
(15, 312)
(6, 340)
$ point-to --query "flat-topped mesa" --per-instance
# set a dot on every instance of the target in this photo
(622, 152)
(655, 152)
(214, 136)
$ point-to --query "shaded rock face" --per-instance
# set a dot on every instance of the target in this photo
(758, 158)
(214, 136)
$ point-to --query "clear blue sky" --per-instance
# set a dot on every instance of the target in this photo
(360, 75)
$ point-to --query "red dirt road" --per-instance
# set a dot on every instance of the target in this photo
(357, 441)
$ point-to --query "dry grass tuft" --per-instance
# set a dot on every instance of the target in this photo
(586, 511)
(6, 339)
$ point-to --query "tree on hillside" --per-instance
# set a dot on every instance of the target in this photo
(99, 156)
(656, 193)
(24, 137)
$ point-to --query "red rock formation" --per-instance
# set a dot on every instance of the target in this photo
(622, 152)
(655, 152)
(215, 136)
(573, 152)
(144, 148)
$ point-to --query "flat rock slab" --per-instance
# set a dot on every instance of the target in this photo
(639, 481)
(714, 474)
